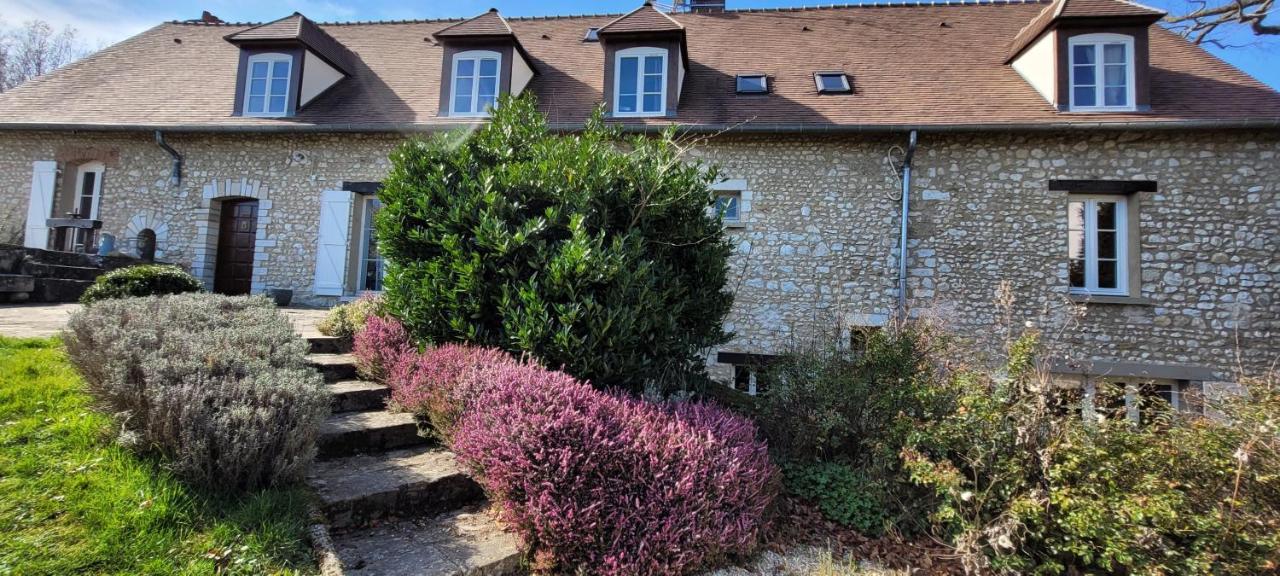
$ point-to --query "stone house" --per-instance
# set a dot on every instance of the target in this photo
(1118, 179)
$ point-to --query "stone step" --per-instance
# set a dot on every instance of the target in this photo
(419, 481)
(351, 433)
(59, 290)
(43, 270)
(334, 367)
(462, 543)
(328, 345)
(17, 283)
(358, 395)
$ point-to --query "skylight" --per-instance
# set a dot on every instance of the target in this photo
(752, 84)
(592, 35)
(832, 82)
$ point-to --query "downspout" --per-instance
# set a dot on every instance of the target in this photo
(902, 237)
(175, 178)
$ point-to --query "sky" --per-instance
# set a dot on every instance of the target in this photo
(104, 22)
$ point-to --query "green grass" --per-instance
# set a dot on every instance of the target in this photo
(74, 502)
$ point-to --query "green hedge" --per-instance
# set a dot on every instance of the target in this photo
(142, 280)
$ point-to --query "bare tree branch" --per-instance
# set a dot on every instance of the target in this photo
(35, 49)
(1204, 23)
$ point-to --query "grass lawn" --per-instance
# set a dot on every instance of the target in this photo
(73, 502)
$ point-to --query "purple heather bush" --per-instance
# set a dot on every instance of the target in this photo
(611, 484)
(439, 383)
(379, 346)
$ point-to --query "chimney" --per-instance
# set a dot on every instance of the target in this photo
(208, 18)
(699, 6)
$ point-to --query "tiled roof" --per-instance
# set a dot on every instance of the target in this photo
(488, 24)
(1069, 9)
(643, 19)
(297, 27)
(922, 66)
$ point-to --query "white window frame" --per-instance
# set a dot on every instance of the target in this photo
(1090, 232)
(271, 58)
(97, 168)
(736, 195)
(1098, 41)
(640, 53)
(366, 231)
(844, 81)
(736, 186)
(476, 56)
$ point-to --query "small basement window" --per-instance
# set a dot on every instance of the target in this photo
(752, 84)
(592, 35)
(832, 82)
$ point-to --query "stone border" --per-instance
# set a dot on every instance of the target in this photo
(205, 246)
(322, 545)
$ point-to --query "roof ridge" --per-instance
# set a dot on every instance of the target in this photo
(615, 15)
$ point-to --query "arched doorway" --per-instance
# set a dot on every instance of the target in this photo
(237, 235)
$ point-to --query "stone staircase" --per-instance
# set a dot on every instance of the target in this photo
(393, 503)
(32, 275)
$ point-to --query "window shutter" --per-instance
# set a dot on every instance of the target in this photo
(333, 245)
(43, 175)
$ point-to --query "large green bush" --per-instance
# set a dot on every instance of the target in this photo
(217, 386)
(141, 280)
(593, 252)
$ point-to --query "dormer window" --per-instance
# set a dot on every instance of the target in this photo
(752, 84)
(267, 85)
(832, 82)
(475, 82)
(641, 80)
(1102, 72)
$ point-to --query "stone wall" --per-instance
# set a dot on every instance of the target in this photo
(818, 243)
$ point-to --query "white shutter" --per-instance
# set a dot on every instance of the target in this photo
(334, 243)
(40, 208)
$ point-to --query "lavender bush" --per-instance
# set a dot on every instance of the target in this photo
(217, 386)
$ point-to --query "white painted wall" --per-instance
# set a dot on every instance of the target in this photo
(521, 73)
(317, 76)
(1037, 65)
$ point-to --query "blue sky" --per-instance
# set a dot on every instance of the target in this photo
(104, 22)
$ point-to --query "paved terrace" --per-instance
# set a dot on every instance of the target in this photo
(44, 320)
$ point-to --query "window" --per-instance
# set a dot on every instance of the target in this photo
(266, 91)
(860, 338)
(371, 264)
(475, 82)
(592, 35)
(728, 207)
(1097, 244)
(753, 84)
(88, 196)
(1102, 72)
(640, 82)
(832, 82)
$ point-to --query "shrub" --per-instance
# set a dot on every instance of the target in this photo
(440, 384)
(345, 320)
(840, 493)
(217, 386)
(612, 485)
(1023, 485)
(378, 346)
(840, 418)
(592, 253)
(141, 280)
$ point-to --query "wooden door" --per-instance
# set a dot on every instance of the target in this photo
(237, 232)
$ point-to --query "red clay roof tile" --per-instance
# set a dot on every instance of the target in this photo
(910, 71)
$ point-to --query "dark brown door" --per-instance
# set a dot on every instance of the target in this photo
(236, 234)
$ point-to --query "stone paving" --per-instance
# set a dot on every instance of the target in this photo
(44, 320)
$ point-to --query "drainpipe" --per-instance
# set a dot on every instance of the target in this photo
(902, 237)
(176, 178)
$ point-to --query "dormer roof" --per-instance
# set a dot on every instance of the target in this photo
(298, 28)
(490, 23)
(1060, 10)
(645, 19)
